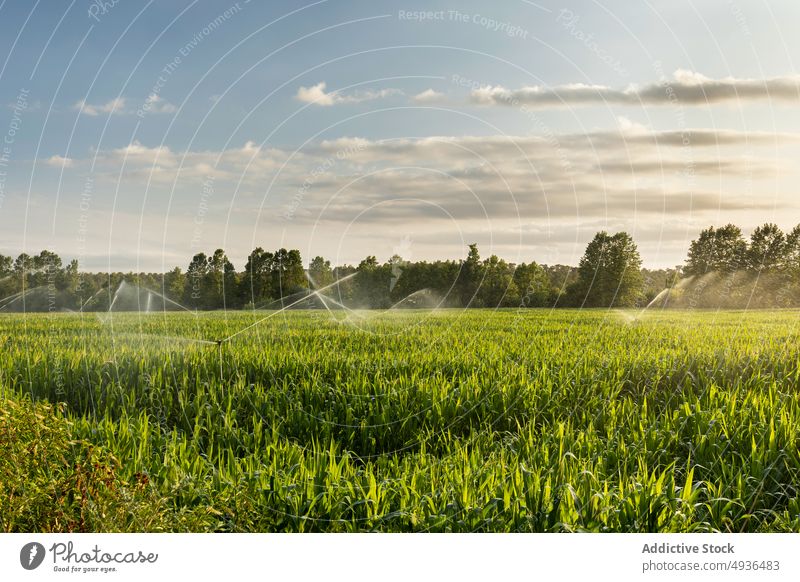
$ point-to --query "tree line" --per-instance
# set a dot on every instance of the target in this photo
(726, 270)
(609, 274)
(725, 250)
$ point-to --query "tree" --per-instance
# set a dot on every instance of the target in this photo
(731, 249)
(73, 299)
(767, 250)
(344, 291)
(497, 286)
(722, 249)
(194, 288)
(533, 285)
(23, 265)
(173, 284)
(46, 260)
(219, 287)
(469, 277)
(609, 273)
(701, 253)
(7, 283)
(441, 276)
(791, 259)
(256, 284)
(230, 286)
(6, 265)
(288, 275)
(372, 284)
(320, 272)
(44, 269)
(397, 265)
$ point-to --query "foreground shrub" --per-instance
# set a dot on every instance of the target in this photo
(51, 482)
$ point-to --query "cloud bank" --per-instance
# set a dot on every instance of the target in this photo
(685, 87)
(550, 191)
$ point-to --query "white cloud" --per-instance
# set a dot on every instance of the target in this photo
(684, 88)
(156, 104)
(318, 95)
(135, 150)
(113, 107)
(315, 94)
(429, 96)
(628, 126)
(60, 162)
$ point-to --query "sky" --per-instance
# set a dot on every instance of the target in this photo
(136, 134)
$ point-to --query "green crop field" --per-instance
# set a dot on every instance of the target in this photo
(456, 420)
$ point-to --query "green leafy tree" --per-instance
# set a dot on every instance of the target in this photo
(194, 293)
(533, 285)
(256, 285)
(609, 273)
(23, 263)
(23, 267)
(397, 265)
(469, 278)
(8, 284)
(372, 284)
(320, 272)
(344, 291)
(74, 293)
(288, 276)
(497, 288)
(731, 249)
(231, 286)
(701, 253)
(791, 259)
(723, 249)
(768, 249)
(6, 266)
(173, 284)
(220, 285)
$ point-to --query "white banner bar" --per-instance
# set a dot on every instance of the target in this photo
(349, 557)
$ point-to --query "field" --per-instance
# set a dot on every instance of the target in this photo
(463, 421)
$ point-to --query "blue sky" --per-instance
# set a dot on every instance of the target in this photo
(141, 133)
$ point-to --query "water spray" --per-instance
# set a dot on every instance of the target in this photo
(219, 342)
(284, 308)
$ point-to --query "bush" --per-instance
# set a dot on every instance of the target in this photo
(52, 482)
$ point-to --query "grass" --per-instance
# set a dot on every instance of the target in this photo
(403, 421)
